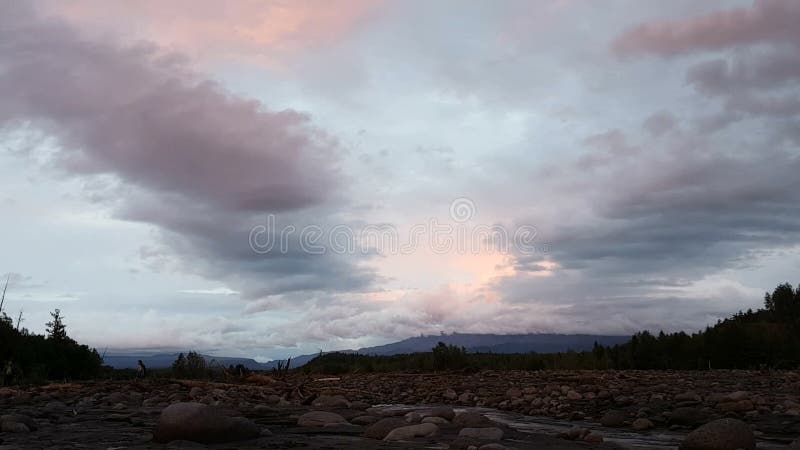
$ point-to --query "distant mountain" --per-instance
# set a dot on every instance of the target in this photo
(474, 343)
(498, 343)
(164, 360)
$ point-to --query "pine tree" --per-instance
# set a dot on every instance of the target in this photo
(56, 330)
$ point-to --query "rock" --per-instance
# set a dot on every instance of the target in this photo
(14, 427)
(471, 419)
(19, 418)
(721, 434)
(795, 445)
(411, 431)
(200, 423)
(574, 395)
(272, 399)
(483, 434)
(449, 394)
(462, 443)
(573, 433)
(641, 424)
(413, 417)
(436, 420)
(320, 419)
(689, 396)
(613, 418)
(330, 401)
(688, 415)
(381, 428)
(361, 406)
(624, 400)
(737, 406)
(444, 412)
(738, 396)
(514, 393)
(593, 437)
(493, 446)
(364, 420)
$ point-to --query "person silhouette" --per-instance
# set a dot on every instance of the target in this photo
(141, 370)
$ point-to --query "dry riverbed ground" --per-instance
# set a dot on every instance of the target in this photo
(727, 409)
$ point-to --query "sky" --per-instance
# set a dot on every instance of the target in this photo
(275, 178)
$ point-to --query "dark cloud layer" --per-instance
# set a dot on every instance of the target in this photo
(143, 116)
(194, 160)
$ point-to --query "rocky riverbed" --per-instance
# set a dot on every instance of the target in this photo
(487, 410)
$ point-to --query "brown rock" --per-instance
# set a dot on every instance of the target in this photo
(641, 424)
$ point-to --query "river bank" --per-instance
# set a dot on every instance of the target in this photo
(546, 409)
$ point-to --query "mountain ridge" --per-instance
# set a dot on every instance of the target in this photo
(472, 342)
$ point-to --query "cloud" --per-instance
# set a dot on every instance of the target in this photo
(767, 21)
(190, 158)
(251, 30)
(660, 123)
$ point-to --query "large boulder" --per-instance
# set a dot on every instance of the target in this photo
(721, 434)
(411, 431)
(320, 419)
(201, 423)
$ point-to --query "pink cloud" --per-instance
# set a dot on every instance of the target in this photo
(208, 29)
(765, 21)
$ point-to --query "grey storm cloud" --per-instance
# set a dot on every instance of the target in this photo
(767, 21)
(194, 160)
(143, 116)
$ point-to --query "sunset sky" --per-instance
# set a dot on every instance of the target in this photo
(653, 147)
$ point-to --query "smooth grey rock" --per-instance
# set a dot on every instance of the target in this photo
(201, 423)
(411, 431)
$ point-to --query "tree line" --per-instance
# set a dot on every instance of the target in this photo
(33, 358)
